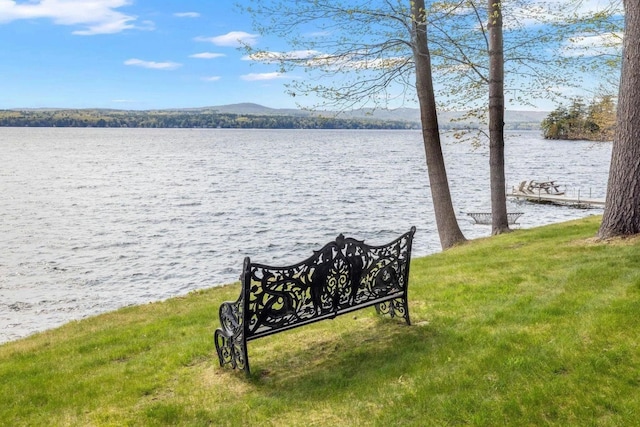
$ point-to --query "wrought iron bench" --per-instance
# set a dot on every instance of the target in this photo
(345, 275)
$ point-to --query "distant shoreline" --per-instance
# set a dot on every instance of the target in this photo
(208, 120)
(248, 116)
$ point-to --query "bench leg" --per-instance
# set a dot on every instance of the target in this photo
(396, 307)
(231, 351)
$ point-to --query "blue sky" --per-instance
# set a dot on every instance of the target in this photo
(135, 54)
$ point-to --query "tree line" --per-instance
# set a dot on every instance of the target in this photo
(593, 122)
(183, 119)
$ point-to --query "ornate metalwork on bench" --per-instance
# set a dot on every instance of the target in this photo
(345, 275)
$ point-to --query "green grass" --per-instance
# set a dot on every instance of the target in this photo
(536, 327)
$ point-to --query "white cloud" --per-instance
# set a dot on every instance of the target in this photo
(318, 34)
(267, 57)
(187, 14)
(207, 55)
(254, 77)
(313, 58)
(112, 27)
(232, 39)
(537, 12)
(592, 6)
(593, 45)
(211, 78)
(96, 16)
(168, 65)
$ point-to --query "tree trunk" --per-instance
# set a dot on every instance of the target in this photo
(446, 221)
(622, 207)
(499, 220)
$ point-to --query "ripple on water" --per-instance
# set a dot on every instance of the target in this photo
(96, 219)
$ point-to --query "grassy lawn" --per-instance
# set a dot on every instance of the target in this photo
(537, 327)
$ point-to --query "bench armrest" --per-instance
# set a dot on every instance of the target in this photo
(231, 317)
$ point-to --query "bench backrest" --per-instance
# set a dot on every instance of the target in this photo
(343, 276)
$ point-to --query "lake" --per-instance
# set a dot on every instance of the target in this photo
(96, 219)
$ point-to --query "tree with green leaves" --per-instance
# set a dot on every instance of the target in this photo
(475, 57)
(602, 116)
(363, 53)
(622, 207)
(548, 47)
(593, 122)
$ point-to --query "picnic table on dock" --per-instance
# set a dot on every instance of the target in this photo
(550, 192)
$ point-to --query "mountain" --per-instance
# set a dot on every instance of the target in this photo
(248, 108)
(512, 117)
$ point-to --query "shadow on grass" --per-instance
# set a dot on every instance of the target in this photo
(325, 361)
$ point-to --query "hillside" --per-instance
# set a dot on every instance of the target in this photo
(249, 115)
(535, 327)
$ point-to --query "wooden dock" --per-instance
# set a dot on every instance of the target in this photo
(548, 192)
(558, 199)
